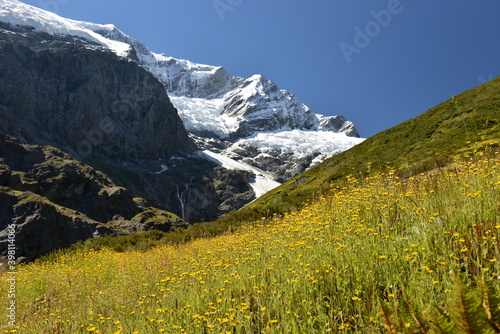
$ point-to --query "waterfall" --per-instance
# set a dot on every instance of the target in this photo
(182, 197)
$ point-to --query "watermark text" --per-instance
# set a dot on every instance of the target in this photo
(11, 274)
(364, 35)
(224, 6)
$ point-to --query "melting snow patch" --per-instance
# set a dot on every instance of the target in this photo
(163, 169)
(18, 13)
(263, 181)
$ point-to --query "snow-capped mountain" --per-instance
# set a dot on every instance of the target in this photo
(250, 120)
(247, 106)
(18, 13)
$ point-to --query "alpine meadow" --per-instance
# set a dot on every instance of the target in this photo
(147, 193)
(410, 246)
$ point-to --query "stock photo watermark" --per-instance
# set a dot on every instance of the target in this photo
(95, 136)
(364, 35)
(121, 110)
(52, 5)
(483, 79)
(11, 275)
(224, 6)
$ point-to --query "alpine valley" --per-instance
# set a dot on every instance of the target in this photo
(100, 135)
(145, 194)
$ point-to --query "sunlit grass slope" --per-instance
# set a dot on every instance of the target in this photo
(380, 254)
(455, 127)
(433, 139)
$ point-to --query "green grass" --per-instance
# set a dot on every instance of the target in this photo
(364, 243)
(380, 254)
(457, 126)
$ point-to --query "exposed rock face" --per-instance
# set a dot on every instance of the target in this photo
(180, 77)
(111, 113)
(85, 99)
(338, 123)
(61, 179)
(219, 109)
(188, 187)
(232, 188)
(105, 103)
(54, 201)
(42, 226)
(86, 89)
(283, 166)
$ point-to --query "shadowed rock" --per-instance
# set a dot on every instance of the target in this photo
(54, 201)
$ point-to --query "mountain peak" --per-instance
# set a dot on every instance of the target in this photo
(18, 13)
(217, 108)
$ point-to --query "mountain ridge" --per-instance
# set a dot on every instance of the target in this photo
(417, 146)
(466, 122)
(216, 108)
(111, 113)
(220, 110)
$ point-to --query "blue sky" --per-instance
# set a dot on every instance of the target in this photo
(378, 62)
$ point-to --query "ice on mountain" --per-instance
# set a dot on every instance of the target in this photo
(228, 113)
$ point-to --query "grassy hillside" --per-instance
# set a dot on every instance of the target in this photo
(381, 254)
(455, 127)
(433, 139)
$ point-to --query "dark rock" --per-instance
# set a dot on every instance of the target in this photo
(85, 99)
(188, 188)
(232, 188)
(339, 123)
(70, 202)
(41, 226)
(108, 112)
(61, 179)
(283, 166)
(7, 201)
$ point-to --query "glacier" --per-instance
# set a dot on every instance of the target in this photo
(263, 181)
(248, 120)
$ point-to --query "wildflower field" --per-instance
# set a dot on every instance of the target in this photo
(378, 254)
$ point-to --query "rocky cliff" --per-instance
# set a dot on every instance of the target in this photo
(220, 111)
(108, 111)
(71, 93)
(55, 201)
(100, 95)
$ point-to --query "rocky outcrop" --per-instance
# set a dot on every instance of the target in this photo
(41, 226)
(109, 112)
(219, 109)
(283, 166)
(61, 179)
(54, 201)
(338, 123)
(232, 187)
(100, 95)
(189, 187)
(70, 93)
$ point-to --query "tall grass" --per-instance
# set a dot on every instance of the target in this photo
(379, 254)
